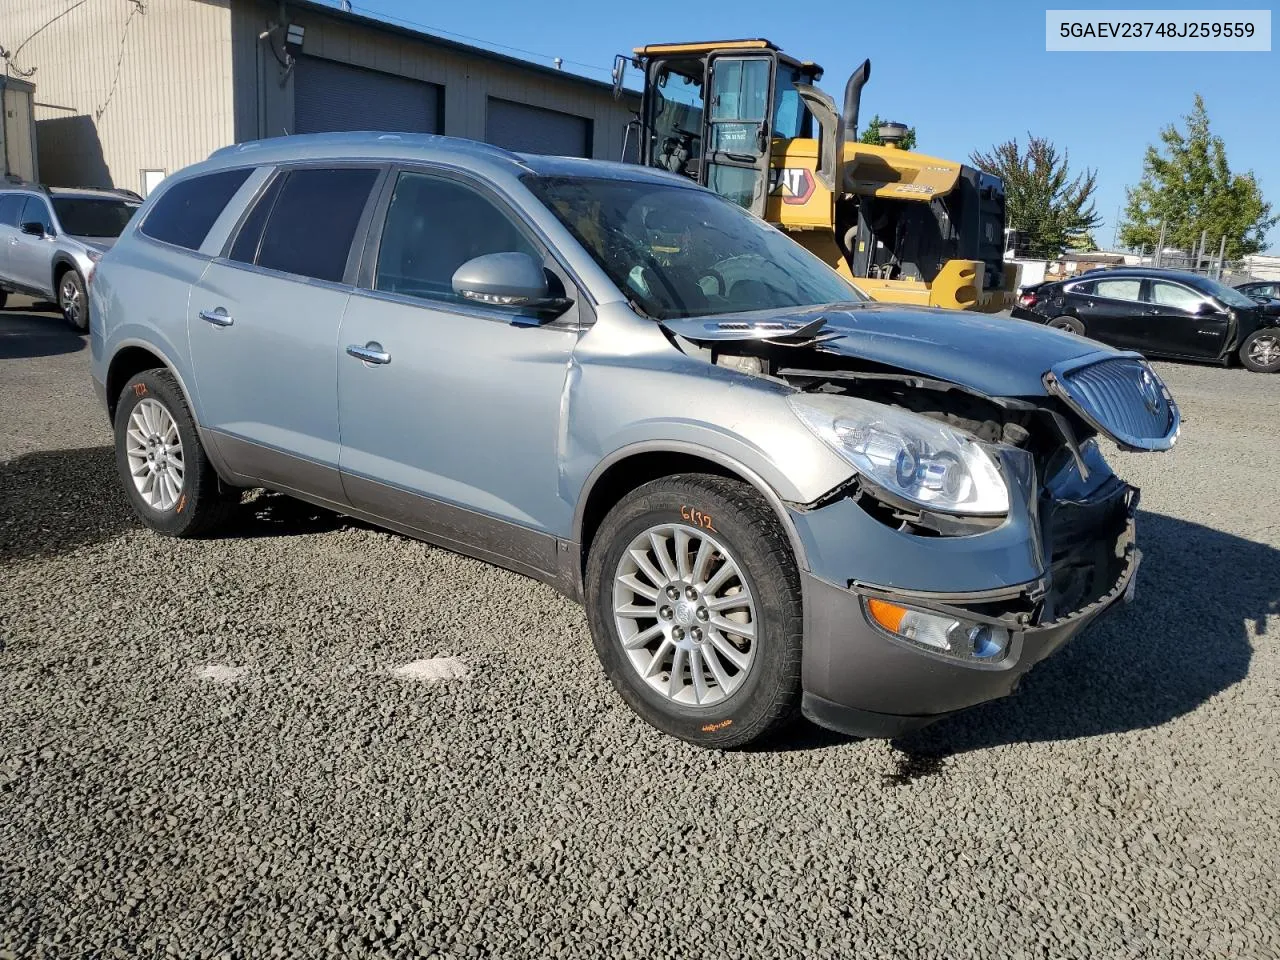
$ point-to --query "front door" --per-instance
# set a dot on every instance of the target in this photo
(264, 330)
(737, 129)
(31, 256)
(449, 409)
(1182, 321)
(1112, 310)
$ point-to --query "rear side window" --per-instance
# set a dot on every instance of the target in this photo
(187, 211)
(245, 249)
(313, 221)
(10, 205)
(1119, 289)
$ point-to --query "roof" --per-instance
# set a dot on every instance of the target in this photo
(1185, 276)
(373, 23)
(702, 47)
(373, 145)
(92, 192)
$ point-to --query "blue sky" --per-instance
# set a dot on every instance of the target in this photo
(966, 75)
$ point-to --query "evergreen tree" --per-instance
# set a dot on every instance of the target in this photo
(1190, 188)
(1042, 200)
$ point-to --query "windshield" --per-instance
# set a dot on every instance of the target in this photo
(1228, 295)
(682, 252)
(93, 217)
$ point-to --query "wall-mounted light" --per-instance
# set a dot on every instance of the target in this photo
(293, 36)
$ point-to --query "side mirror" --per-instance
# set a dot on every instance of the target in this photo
(33, 229)
(1204, 308)
(508, 280)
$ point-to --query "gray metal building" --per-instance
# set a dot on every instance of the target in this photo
(128, 91)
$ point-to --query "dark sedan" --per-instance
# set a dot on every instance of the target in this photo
(1162, 313)
(1261, 289)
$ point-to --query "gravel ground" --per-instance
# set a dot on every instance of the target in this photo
(311, 737)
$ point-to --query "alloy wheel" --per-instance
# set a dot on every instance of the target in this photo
(154, 450)
(685, 614)
(69, 300)
(1265, 351)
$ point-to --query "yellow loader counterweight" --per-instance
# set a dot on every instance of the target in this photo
(746, 120)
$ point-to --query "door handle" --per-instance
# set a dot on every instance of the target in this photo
(371, 352)
(218, 317)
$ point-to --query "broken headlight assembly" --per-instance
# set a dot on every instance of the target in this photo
(923, 461)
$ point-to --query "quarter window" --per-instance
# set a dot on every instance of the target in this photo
(1172, 295)
(186, 212)
(433, 227)
(1119, 289)
(245, 248)
(314, 219)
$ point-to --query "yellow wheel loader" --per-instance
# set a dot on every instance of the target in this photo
(746, 120)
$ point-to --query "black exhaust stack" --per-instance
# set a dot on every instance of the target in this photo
(852, 100)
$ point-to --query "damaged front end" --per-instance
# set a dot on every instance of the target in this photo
(981, 587)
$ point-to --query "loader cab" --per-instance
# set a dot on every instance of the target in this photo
(711, 112)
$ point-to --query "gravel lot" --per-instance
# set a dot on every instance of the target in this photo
(206, 750)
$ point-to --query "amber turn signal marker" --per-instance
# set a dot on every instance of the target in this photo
(888, 615)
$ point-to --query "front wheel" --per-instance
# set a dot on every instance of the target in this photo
(694, 602)
(73, 302)
(1070, 324)
(170, 483)
(1260, 351)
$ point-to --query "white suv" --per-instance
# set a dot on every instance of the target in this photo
(51, 238)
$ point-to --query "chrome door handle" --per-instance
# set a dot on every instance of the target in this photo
(371, 352)
(217, 317)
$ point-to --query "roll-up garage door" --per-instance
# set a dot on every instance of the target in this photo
(526, 129)
(328, 95)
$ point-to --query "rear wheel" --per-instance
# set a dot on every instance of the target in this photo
(1070, 324)
(169, 481)
(694, 602)
(1260, 351)
(72, 301)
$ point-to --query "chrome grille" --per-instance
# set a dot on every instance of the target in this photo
(1122, 397)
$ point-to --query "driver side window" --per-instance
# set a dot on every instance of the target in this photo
(433, 226)
(1172, 295)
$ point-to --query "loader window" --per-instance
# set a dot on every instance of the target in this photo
(675, 115)
(791, 118)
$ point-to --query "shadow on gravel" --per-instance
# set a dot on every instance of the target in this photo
(24, 335)
(54, 501)
(270, 514)
(1185, 639)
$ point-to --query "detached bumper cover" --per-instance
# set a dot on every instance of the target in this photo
(859, 681)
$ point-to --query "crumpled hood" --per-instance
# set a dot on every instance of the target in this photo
(996, 356)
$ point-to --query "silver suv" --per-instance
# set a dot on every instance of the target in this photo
(768, 492)
(51, 238)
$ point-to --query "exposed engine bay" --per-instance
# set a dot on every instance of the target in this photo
(1083, 513)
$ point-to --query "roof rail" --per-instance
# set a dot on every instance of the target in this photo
(13, 180)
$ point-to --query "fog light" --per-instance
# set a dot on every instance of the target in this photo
(962, 639)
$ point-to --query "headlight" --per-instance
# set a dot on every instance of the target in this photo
(919, 459)
(93, 255)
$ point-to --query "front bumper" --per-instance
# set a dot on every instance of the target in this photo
(860, 681)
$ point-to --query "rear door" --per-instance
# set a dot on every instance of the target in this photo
(1175, 325)
(264, 323)
(31, 257)
(1111, 309)
(737, 129)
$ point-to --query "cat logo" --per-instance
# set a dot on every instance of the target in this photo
(792, 184)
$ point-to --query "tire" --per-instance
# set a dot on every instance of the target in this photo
(741, 531)
(73, 301)
(1070, 324)
(190, 503)
(1260, 351)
